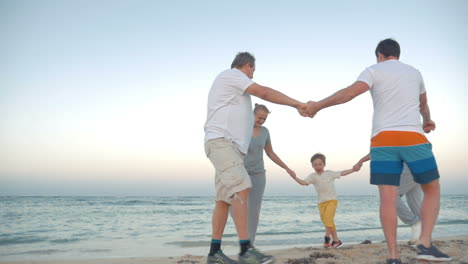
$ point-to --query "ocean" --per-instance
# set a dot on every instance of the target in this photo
(42, 228)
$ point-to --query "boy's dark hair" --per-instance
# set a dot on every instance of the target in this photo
(388, 47)
(243, 58)
(318, 156)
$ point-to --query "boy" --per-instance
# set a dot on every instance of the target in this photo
(323, 182)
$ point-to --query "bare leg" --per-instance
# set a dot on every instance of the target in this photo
(429, 211)
(219, 219)
(332, 232)
(388, 217)
(239, 211)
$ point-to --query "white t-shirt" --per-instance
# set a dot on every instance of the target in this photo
(324, 184)
(395, 88)
(230, 109)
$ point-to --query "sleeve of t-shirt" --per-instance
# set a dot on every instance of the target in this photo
(335, 174)
(267, 137)
(310, 179)
(241, 81)
(367, 76)
(422, 87)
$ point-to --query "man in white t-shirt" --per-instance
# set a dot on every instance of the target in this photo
(399, 98)
(228, 130)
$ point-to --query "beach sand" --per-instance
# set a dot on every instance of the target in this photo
(456, 247)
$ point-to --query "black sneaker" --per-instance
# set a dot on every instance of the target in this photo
(337, 244)
(393, 261)
(253, 256)
(220, 258)
(326, 242)
(431, 253)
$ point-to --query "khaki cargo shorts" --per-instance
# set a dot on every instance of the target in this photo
(231, 176)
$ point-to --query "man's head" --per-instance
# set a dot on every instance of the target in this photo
(245, 62)
(387, 48)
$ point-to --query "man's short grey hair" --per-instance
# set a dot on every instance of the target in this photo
(243, 58)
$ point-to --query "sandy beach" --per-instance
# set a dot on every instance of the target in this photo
(375, 252)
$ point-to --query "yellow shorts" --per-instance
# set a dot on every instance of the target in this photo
(327, 213)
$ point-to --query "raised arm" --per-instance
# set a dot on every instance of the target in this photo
(348, 171)
(301, 182)
(272, 155)
(271, 95)
(340, 97)
(358, 165)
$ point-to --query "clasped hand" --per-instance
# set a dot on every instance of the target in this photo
(308, 109)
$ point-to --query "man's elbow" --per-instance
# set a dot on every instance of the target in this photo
(349, 95)
(356, 89)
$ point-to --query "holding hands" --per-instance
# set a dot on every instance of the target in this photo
(357, 166)
(302, 109)
(312, 108)
(291, 173)
(308, 109)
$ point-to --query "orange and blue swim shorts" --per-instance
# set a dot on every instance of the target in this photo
(389, 149)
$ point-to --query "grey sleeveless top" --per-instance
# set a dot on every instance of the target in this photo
(253, 161)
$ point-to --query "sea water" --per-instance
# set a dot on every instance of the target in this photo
(35, 228)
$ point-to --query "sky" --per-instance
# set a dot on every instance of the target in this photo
(109, 97)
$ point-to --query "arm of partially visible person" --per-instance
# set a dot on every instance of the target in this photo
(340, 97)
(272, 155)
(428, 124)
(271, 95)
(358, 165)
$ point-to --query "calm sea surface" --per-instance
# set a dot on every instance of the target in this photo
(114, 227)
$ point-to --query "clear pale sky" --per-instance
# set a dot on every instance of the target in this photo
(109, 97)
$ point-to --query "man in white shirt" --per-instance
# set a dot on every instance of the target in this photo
(228, 130)
(399, 98)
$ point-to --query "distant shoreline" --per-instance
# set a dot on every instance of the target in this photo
(195, 196)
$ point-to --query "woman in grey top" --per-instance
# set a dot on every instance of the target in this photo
(255, 166)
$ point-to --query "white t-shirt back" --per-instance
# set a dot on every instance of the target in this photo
(324, 184)
(395, 88)
(230, 109)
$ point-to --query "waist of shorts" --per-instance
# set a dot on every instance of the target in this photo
(398, 139)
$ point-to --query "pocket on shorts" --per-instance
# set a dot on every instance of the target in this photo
(232, 175)
(228, 162)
